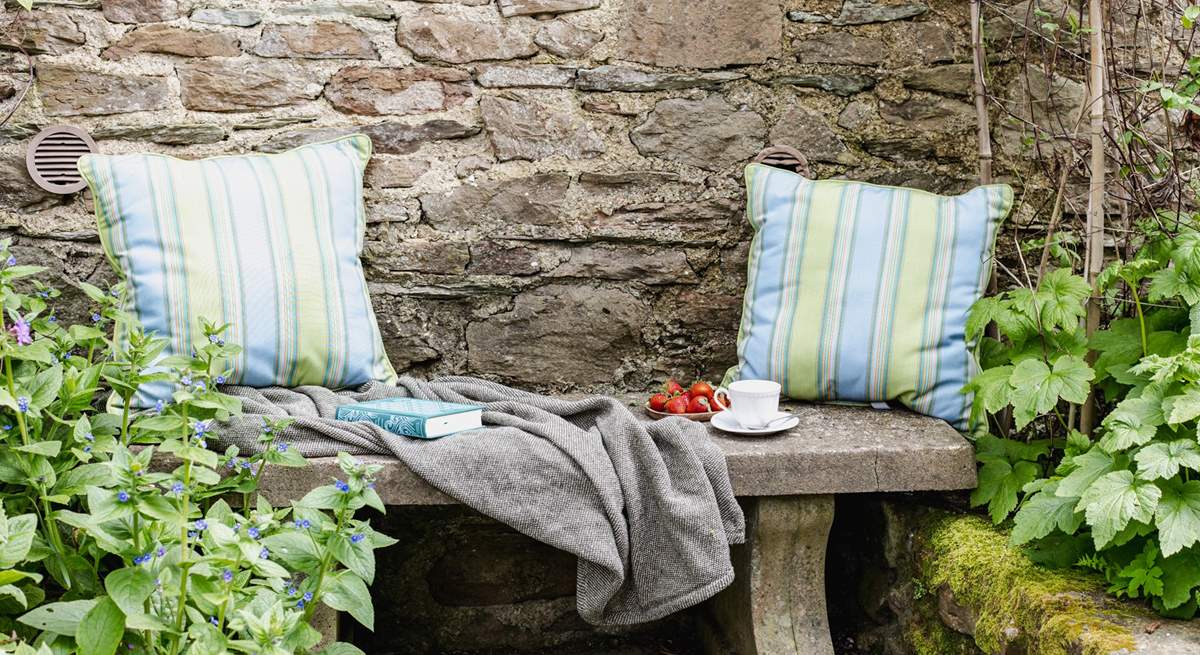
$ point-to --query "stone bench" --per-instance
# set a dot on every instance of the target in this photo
(786, 485)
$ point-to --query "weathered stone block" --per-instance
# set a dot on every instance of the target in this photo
(140, 11)
(507, 258)
(458, 40)
(839, 48)
(861, 12)
(809, 132)
(231, 17)
(509, 8)
(522, 126)
(359, 8)
(389, 138)
(634, 263)
(565, 40)
(39, 32)
(841, 84)
(244, 84)
(930, 114)
(417, 255)
(388, 173)
(558, 334)
(697, 222)
(17, 190)
(709, 134)
(534, 76)
(384, 91)
(710, 34)
(536, 200)
(170, 40)
(624, 78)
(951, 79)
(319, 40)
(172, 135)
(68, 91)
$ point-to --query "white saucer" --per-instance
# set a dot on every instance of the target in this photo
(724, 421)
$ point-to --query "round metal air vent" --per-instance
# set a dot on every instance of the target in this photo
(52, 155)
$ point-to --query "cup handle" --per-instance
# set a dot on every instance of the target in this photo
(716, 397)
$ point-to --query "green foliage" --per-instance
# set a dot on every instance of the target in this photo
(115, 530)
(1125, 500)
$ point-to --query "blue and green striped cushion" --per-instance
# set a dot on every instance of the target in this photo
(859, 292)
(269, 244)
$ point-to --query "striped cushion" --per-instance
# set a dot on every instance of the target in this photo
(860, 292)
(266, 243)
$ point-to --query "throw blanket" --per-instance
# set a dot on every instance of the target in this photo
(646, 507)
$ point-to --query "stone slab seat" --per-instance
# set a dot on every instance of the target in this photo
(786, 484)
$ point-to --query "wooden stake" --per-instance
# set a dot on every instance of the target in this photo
(1094, 261)
(984, 123)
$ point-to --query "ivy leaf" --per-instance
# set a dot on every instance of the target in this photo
(101, 630)
(1037, 388)
(1042, 513)
(1115, 499)
(1171, 283)
(1178, 515)
(1185, 407)
(1181, 574)
(1062, 297)
(348, 593)
(999, 484)
(991, 388)
(1163, 460)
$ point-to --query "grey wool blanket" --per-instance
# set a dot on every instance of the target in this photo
(646, 507)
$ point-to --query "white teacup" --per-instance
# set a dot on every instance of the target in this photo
(754, 403)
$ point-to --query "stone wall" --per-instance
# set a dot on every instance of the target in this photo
(555, 198)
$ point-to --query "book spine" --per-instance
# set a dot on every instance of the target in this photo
(406, 426)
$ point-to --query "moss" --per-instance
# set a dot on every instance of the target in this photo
(1057, 612)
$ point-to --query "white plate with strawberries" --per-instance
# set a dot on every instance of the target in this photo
(696, 402)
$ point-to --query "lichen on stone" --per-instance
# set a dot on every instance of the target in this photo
(1054, 612)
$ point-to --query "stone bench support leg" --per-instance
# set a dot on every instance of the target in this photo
(325, 620)
(776, 605)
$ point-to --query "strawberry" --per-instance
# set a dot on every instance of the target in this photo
(699, 405)
(658, 402)
(677, 405)
(673, 388)
(701, 388)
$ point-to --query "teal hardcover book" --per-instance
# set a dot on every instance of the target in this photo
(412, 417)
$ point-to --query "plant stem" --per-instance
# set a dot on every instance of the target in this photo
(184, 567)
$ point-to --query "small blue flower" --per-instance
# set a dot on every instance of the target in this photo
(201, 524)
(292, 591)
(7, 427)
(201, 427)
(142, 559)
(89, 436)
(87, 449)
(220, 379)
(355, 538)
(213, 620)
(231, 463)
(95, 317)
(307, 595)
(123, 496)
(157, 582)
(202, 443)
(161, 551)
(300, 604)
(264, 553)
(246, 464)
(227, 575)
(177, 488)
(282, 448)
(200, 386)
(12, 261)
(212, 338)
(253, 533)
(192, 534)
(341, 486)
(54, 319)
(237, 527)
(23, 403)
(158, 407)
(186, 380)
(43, 294)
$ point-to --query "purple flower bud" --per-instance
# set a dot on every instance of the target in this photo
(264, 553)
(227, 575)
(201, 524)
(20, 331)
(355, 538)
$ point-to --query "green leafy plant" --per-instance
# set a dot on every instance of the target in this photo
(115, 529)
